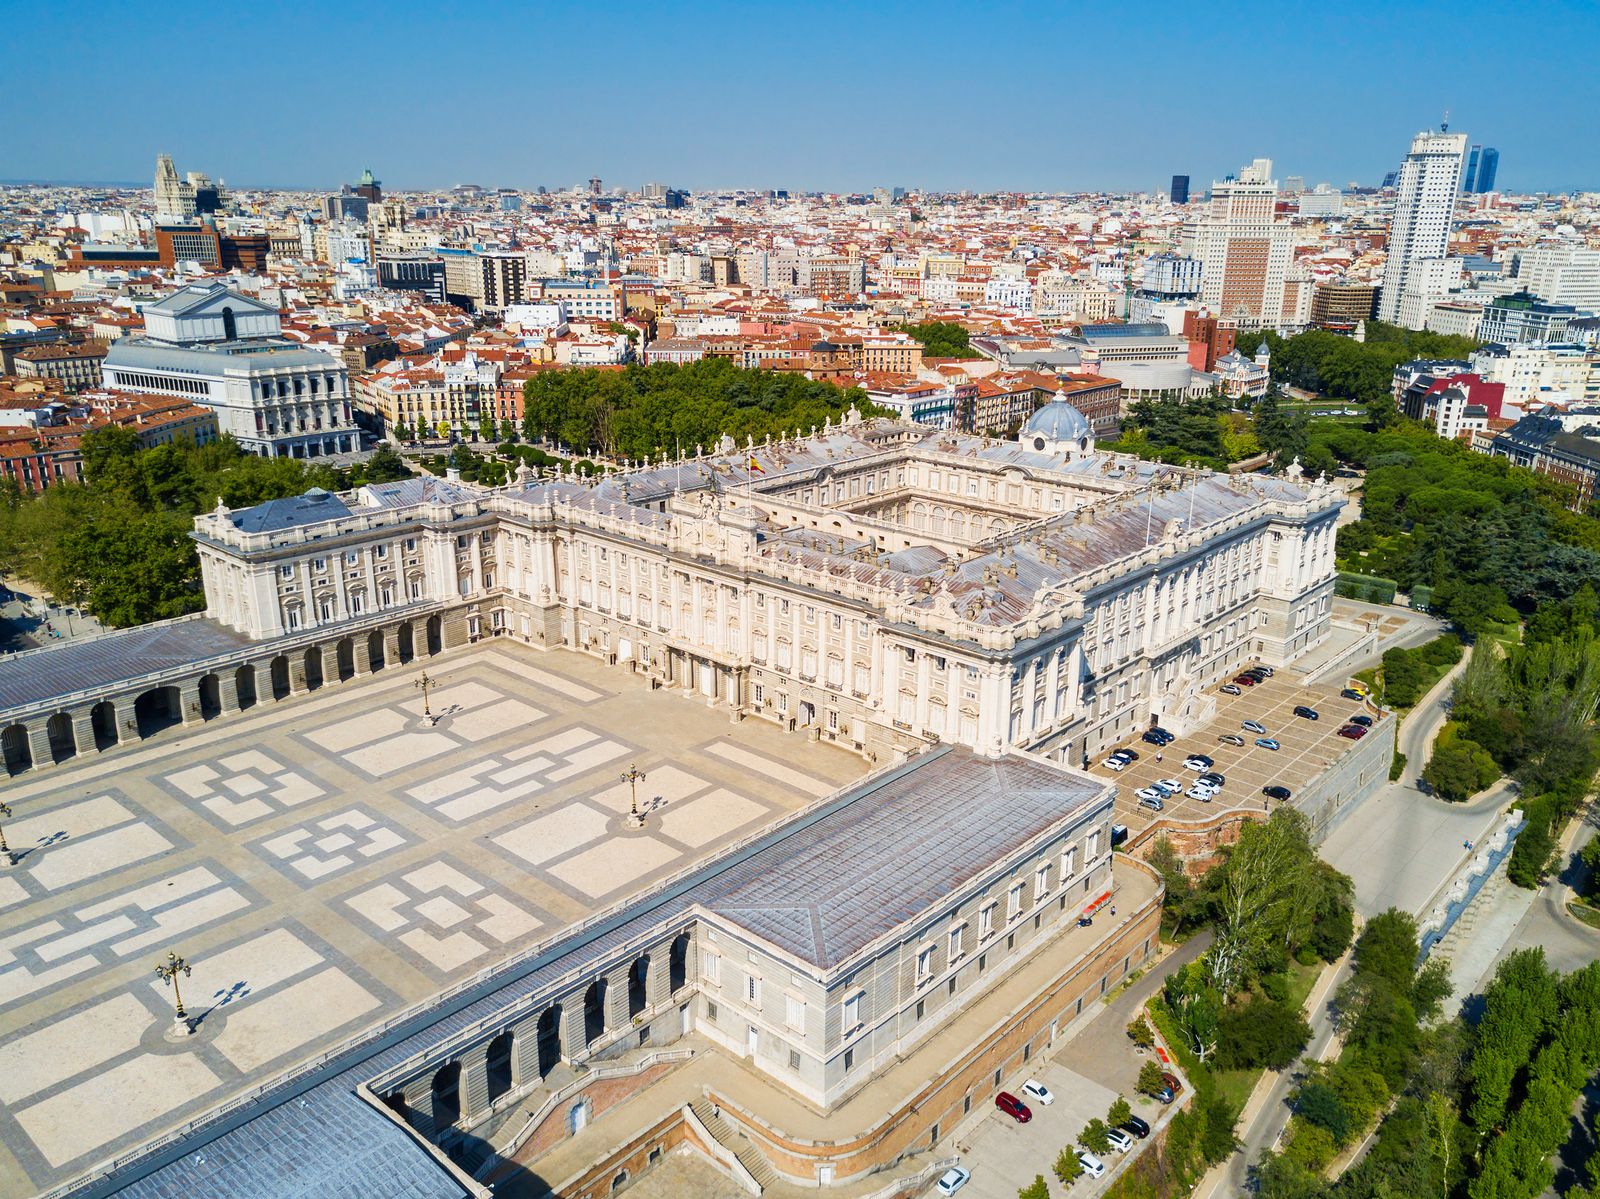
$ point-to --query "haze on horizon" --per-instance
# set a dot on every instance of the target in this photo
(821, 96)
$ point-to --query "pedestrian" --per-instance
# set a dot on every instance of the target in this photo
(1158, 755)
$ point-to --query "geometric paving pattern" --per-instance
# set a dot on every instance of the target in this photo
(465, 794)
(325, 847)
(244, 788)
(74, 942)
(76, 843)
(443, 916)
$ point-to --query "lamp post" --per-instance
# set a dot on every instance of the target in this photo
(5, 850)
(428, 718)
(633, 778)
(168, 972)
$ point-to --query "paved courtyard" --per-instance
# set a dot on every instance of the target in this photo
(329, 861)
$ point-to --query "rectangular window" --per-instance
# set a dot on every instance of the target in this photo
(752, 989)
(1041, 882)
(711, 967)
(849, 1060)
(794, 1060)
(986, 922)
(924, 964)
(955, 941)
(286, 571)
(1014, 907)
(852, 1013)
(794, 1012)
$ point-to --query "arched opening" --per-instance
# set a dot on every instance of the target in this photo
(549, 1039)
(157, 709)
(678, 963)
(638, 994)
(408, 643)
(594, 1011)
(62, 744)
(280, 677)
(447, 1095)
(14, 746)
(435, 635)
(244, 685)
(230, 327)
(103, 720)
(395, 1101)
(344, 660)
(619, 1181)
(499, 1063)
(210, 697)
(313, 660)
(375, 659)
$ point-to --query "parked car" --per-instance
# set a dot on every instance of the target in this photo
(1275, 792)
(1267, 743)
(1137, 1127)
(1197, 762)
(1131, 755)
(1155, 805)
(1254, 726)
(1117, 764)
(1013, 1107)
(1038, 1092)
(1266, 670)
(1150, 793)
(1231, 689)
(1201, 792)
(1170, 786)
(1246, 680)
(952, 1180)
(1352, 732)
(1092, 1165)
(1363, 721)
(1158, 736)
(1305, 713)
(1120, 1141)
(1213, 779)
(1351, 693)
(1231, 739)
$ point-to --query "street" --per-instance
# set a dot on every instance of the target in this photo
(24, 619)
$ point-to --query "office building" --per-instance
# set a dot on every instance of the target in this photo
(1339, 304)
(1561, 273)
(1482, 165)
(422, 273)
(1425, 201)
(1180, 189)
(1523, 319)
(217, 347)
(1244, 250)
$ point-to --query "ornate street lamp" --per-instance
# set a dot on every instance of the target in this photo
(5, 850)
(633, 778)
(168, 972)
(428, 718)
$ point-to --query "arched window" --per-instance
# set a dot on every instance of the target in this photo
(230, 329)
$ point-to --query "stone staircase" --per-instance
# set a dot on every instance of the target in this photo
(736, 1143)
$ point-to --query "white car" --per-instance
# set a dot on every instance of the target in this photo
(1117, 764)
(1203, 794)
(1196, 764)
(1152, 793)
(952, 1180)
(1038, 1092)
(1170, 786)
(1120, 1141)
(1092, 1165)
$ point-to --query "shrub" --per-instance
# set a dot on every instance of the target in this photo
(1320, 1106)
(1037, 1189)
(1067, 1168)
(1261, 1033)
(1119, 1113)
(1094, 1136)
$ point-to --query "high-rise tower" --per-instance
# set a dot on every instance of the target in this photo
(174, 197)
(1425, 201)
(1243, 248)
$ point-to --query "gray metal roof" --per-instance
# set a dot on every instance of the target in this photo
(314, 506)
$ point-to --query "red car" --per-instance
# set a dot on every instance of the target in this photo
(1246, 680)
(1353, 732)
(1013, 1107)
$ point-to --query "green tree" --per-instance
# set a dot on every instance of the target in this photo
(1256, 897)
(1142, 1035)
(1037, 1189)
(1150, 1080)
(1067, 1167)
(1120, 1112)
(943, 339)
(1262, 1032)
(1094, 1136)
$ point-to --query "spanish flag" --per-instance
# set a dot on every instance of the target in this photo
(754, 465)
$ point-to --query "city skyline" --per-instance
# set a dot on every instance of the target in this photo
(693, 99)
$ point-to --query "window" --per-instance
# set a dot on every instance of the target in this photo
(955, 941)
(1093, 851)
(852, 1013)
(794, 1012)
(794, 1060)
(986, 922)
(1069, 862)
(711, 967)
(320, 564)
(924, 964)
(1014, 904)
(922, 1008)
(1041, 881)
(287, 571)
(849, 1060)
(752, 989)
(711, 1012)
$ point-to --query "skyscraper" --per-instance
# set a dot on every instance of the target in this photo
(1243, 248)
(1488, 165)
(1180, 189)
(174, 198)
(1425, 201)
(1471, 175)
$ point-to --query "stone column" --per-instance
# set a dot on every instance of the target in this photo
(189, 701)
(572, 1025)
(525, 1053)
(39, 745)
(391, 647)
(127, 721)
(659, 976)
(474, 1085)
(360, 656)
(297, 675)
(228, 691)
(83, 731)
(616, 1000)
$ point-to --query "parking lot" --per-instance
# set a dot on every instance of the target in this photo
(1307, 748)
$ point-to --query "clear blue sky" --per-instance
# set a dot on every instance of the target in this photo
(805, 96)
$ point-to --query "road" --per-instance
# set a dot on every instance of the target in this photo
(1568, 944)
(23, 619)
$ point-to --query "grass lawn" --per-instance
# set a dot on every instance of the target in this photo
(1301, 980)
(1585, 912)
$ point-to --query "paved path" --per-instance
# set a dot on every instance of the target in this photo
(24, 619)
(1568, 943)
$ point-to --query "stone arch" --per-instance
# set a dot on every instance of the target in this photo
(435, 640)
(619, 1181)
(408, 642)
(313, 661)
(344, 660)
(446, 1092)
(548, 1035)
(59, 730)
(14, 749)
(638, 985)
(103, 722)
(244, 685)
(396, 1102)
(594, 1011)
(279, 671)
(230, 327)
(678, 963)
(375, 651)
(498, 1061)
(210, 696)
(157, 709)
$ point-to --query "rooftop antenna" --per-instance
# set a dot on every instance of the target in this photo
(1444, 125)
